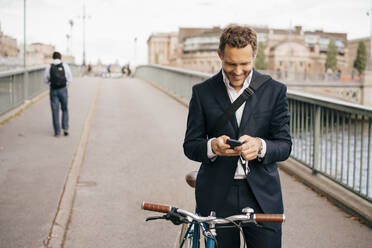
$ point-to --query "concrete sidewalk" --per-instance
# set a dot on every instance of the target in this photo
(34, 165)
(133, 154)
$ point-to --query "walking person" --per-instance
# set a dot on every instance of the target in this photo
(58, 76)
(246, 176)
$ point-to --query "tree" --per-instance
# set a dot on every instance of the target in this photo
(260, 63)
(331, 62)
(361, 58)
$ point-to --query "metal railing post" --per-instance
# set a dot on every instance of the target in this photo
(25, 86)
(316, 139)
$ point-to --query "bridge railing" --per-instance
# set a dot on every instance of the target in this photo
(14, 91)
(303, 77)
(331, 137)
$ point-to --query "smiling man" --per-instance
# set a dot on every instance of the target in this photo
(246, 176)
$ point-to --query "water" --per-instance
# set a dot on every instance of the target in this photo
(342, 161)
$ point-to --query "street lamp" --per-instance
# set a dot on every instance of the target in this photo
(25, 78)
(24, 34)
(84, 17)
(68, 44)
(135, 50)
(71, 22)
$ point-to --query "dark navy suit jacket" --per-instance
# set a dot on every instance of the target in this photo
(265, 116)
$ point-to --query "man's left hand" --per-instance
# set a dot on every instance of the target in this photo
(250, 148)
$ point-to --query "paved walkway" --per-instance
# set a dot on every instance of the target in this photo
(133, 154)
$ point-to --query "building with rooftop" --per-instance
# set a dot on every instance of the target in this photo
(287, 51)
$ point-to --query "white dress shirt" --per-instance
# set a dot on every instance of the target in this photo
(233, 95)
(68, 73)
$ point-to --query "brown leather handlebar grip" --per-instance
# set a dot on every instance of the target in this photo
(269, 217)
(156, 207)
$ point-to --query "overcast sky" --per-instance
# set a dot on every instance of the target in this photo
(114, 24)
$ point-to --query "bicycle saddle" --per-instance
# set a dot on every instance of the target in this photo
(191, 178)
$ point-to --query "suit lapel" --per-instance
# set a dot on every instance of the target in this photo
(249, 106)
(223, 98)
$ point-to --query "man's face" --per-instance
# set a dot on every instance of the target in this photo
(237, 63)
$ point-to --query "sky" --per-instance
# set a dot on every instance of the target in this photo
(113, 25)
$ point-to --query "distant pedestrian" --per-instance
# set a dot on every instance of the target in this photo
(109, 70)
(58, 76)
(129, 72)
(89, 69)
(123, 70)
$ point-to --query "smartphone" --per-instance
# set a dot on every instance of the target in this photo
(233, 143)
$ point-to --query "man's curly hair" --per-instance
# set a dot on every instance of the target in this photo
(238, 37)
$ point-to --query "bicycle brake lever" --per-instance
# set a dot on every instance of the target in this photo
(175, 218)
(155, 218)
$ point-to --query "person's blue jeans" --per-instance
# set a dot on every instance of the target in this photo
(59, 96)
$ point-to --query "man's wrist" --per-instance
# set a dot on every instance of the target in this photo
(260, 146)
(210, 153)
(262, 149)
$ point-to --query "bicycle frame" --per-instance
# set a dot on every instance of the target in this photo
(194, 230)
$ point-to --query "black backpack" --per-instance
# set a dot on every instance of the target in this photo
(57, 76)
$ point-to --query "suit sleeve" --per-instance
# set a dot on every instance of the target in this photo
(279, 144)
(195, 143)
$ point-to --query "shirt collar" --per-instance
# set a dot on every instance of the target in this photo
(57, 61)
(246, 83)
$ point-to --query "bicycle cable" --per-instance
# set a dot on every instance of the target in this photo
(240, 229)
(210, 236)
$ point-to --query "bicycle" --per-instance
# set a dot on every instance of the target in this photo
(192, 223)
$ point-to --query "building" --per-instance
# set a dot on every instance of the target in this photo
(197, 49)
(8, 46)
(41, 54)
(9, 53)
(11, 56)
(162, 48)
(287, 51)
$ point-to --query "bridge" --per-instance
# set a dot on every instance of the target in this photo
(125, 147)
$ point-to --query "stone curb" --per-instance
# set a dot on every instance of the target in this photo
(58, 230)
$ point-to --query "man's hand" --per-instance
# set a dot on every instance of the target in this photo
(251, 147)
(220, 148)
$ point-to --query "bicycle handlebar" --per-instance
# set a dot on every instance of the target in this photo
(212, 219)
(156, 207)
(269, 217)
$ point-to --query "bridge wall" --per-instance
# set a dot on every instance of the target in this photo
(20, 86)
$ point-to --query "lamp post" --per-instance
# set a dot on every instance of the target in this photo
(84, 17)
(71, 22)
(24, 34)
(135, 51)
(68, 44)
(25, 78)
